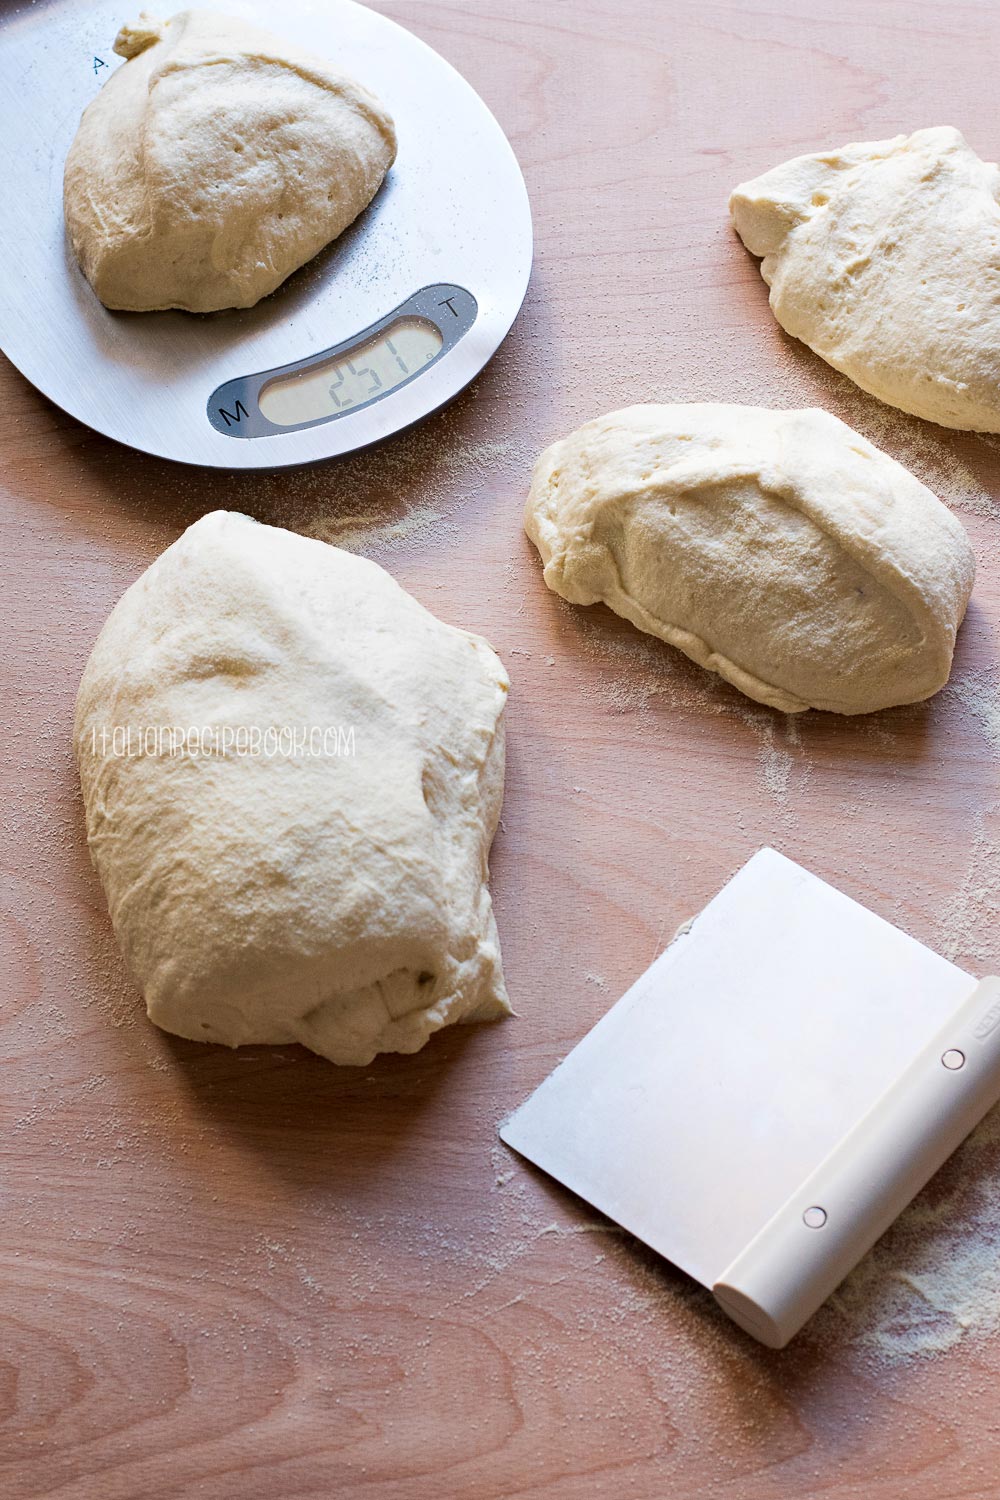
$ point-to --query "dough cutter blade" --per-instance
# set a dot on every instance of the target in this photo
(771, 1092)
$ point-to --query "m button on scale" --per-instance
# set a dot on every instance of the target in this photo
(230, 417)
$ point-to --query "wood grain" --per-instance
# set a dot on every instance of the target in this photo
(243, 1275)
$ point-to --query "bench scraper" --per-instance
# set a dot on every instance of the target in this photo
(771, 1093)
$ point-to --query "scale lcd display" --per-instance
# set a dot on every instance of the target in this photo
(353, 378)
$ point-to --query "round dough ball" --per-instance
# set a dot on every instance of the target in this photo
(328, 889)
(882, 257)
(215, 162)
(777, 548)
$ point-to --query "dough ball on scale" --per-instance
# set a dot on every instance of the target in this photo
(214, 162)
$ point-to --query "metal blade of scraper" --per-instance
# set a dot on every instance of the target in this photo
(755, 1055)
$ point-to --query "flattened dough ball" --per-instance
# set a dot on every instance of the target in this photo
(329, 890)
(214, 162)
(884, 258)
(777, 548)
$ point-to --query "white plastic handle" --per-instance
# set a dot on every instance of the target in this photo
(790, 1268)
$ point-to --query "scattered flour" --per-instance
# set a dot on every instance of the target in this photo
(779, 740)
(638, 673)
(934, 1279)
(389, 517)
(968, 920)
(931, 1282)
(979, 692)
(367, 502)
(358, 533)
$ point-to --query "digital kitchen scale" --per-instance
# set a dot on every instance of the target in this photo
(383, 327)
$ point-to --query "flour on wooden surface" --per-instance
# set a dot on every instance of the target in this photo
(967, 927)
(370, 502)
(979, 693)
(930, 1283)
(934, 1278)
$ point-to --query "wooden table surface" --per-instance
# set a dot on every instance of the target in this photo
(252, 1274)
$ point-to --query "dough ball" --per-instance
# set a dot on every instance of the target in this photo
(777, 548)
(883, 258)
(215, 162)
(330, 891)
